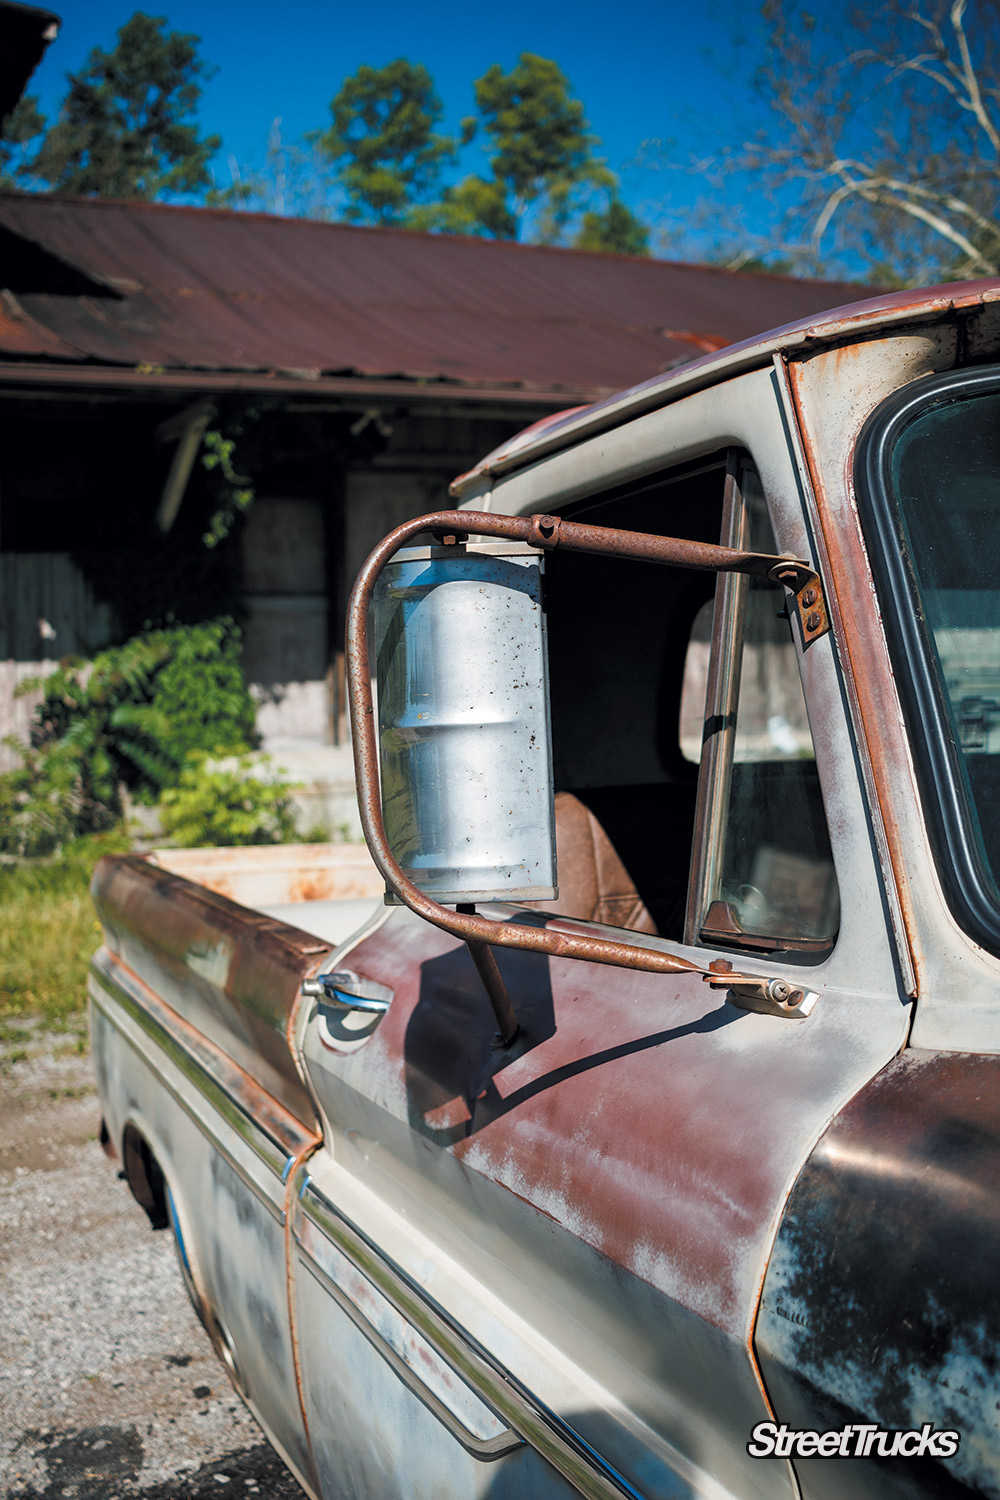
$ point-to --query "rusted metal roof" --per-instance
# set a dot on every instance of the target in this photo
(269, 300)
(837, 324)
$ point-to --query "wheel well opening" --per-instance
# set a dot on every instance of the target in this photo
(144, 1177)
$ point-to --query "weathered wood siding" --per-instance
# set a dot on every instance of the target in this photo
(47, 611)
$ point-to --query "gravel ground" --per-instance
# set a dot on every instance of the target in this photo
(109, 1387)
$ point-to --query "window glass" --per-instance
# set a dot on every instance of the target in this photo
(946, 480)
(774, 878)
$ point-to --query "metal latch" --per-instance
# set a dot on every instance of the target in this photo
(343, 990)
(771, 997)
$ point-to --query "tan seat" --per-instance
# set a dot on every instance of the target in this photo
(594, 885)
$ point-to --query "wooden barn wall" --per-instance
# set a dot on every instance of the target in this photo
(47, 611)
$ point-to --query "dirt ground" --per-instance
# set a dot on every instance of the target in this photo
(109, 1387)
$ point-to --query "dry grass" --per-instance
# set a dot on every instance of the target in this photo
(48, 933)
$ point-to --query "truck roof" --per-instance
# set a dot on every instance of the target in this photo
(844, 324)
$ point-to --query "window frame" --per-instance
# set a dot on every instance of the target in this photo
(968, 885)
(725, 665)
(715, 777)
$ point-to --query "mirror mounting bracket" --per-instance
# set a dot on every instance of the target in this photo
(547, 533)
(770, 997)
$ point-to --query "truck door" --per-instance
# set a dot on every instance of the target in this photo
(537, 1271)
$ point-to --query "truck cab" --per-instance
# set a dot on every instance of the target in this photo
(646, 1179)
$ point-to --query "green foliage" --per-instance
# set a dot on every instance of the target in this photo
(475, 206)
(126, 127)
(200, 700)
(131, 716)
(383, 142)
(616, 231)
(49, 931)
(236, 490)
(540, 153)
(227, 802)
(41, 802)
(388, 157)
(19, 130)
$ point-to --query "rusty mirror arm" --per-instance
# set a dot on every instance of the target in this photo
(546, 533)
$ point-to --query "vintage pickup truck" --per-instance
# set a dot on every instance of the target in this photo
(684, 1181)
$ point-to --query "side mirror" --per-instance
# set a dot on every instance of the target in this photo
(455, 744)
(463, 721)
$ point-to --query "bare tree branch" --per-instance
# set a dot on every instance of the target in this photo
(890, 126)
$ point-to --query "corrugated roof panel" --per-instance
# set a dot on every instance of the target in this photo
(204, 289)
(22, 336)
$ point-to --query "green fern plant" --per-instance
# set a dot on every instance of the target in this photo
(130, 717)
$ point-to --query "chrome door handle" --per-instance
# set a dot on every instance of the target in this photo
(342, 990)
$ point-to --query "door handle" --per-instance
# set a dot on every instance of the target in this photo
(342, 990)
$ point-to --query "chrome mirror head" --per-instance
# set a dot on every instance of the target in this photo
(464, 734)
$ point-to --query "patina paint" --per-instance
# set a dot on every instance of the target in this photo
(881, 1302)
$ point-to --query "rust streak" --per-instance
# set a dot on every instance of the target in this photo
(857, 625)
(293, 1322)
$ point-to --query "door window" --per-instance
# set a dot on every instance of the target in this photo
(763, 876)
(657, 671)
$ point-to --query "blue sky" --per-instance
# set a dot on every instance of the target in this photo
(644, 71)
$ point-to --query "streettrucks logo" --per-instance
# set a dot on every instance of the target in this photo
(859, 1440)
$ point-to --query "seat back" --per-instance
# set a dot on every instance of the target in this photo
(594, 885)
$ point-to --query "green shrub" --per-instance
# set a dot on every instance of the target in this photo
(200, 692)
(130, 717)
(41, 804)
(227, 803)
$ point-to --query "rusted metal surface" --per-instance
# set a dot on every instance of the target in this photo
(540, 531)
(840, 325)
(203, 289)
(594, 1204)
(861, 377)
(232, 973)
(285, 1134)
(228, 1202)
(291, 1187)
(488, 969)
(594, 1148)
(325, 390)
(880, 1303)
(606, 541)
(270, 875)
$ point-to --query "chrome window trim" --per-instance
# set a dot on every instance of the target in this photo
(722, 694)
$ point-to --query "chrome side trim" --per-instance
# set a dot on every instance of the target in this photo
(493, 1439)
(259, 1193)
(501, 1390)
(215, 1076)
